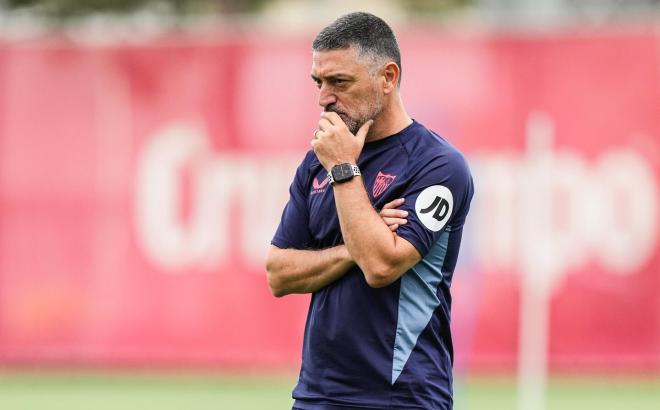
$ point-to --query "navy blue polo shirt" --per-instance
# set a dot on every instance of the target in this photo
(391, 347)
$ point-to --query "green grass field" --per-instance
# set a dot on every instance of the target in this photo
(145, 391)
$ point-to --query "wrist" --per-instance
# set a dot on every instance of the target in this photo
(350, 185)
(339, 162)
(342, 173)
(344, 255)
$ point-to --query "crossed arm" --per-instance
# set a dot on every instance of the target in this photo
(306, 271)
(381, 254)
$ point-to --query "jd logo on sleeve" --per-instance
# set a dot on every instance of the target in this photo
(434, 206)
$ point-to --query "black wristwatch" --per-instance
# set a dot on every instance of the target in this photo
(343, 172)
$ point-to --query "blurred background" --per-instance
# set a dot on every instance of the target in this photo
(147, 146)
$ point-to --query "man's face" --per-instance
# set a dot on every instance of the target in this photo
(346, 86)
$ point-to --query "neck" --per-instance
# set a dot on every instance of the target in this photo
(391, 120)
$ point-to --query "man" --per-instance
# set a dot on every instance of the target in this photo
(377, 333)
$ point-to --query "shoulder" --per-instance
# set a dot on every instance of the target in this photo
(431, 152)
(309, 161)
(303, 170)
(307, 168)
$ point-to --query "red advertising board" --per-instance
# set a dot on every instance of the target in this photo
(140, 186)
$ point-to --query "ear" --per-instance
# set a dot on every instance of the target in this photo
(390, 75)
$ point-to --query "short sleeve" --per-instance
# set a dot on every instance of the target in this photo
(437, 200)
(293, 230)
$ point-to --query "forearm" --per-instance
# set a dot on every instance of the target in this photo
(381, 255)
(379, 252)
(305, 271)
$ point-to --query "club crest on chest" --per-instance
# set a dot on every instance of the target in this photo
(382, 182)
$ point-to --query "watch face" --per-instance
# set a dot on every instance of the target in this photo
(342, 172)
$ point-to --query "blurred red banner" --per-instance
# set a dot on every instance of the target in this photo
(140, 186)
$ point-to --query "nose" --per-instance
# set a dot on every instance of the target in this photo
(326, 96)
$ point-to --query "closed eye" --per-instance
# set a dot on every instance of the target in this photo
(339, 83)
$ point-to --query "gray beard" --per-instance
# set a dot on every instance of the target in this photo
(352, 125)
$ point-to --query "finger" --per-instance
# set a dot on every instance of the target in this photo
(395, 221)
(332, 117)
(393, 227)
(324, 124)
(319, 133)
(363, 131)
(394, 204)
(393, 213)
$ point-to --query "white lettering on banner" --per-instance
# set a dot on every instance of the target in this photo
(553, 206)
(225, 189)
(557, 209)
(164, 239)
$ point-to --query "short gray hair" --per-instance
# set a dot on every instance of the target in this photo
(369, 34)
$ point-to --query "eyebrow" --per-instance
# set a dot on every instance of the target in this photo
(338, 76)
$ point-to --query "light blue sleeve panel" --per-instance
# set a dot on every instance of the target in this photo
(417, 301)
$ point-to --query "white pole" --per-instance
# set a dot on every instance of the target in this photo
(533, 344)
(539, 264)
